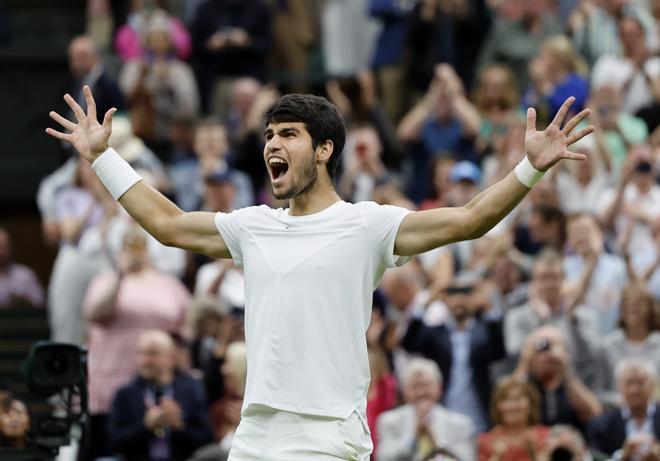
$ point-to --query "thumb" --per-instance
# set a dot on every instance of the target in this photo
(107, 118)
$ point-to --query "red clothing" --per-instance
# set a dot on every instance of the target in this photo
(487, 444)
(382, 399)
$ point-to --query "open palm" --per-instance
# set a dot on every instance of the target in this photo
(88, 136)
(547, 147)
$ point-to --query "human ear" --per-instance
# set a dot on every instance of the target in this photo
(324, 151)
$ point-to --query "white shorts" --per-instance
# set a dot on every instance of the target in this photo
(266, 434)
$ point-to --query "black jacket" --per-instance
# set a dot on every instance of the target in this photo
(607, 433)
(129, 436)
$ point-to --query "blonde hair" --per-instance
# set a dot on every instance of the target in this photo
(561, 48)
(510, 96)
(504, 387)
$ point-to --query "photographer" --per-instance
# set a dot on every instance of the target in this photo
(630, 432)
(564, 443)
(546, 363)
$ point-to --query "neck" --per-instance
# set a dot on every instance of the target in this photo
(515, 428)
(318, 197)
(639, 413)
(636, 333)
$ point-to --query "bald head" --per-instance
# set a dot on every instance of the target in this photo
(83, 56)
(156, 357)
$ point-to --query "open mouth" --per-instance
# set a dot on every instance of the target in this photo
(278, 167)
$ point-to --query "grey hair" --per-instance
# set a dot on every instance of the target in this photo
(560, 429)
(635, 363)
(420, 365)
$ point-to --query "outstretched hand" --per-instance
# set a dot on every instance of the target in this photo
(547, 147)
(88, 136)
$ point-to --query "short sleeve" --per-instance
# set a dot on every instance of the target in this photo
(229, 227)
(383, 222)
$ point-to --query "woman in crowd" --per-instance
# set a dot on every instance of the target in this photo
(635, 337)
(517, 435)
(120, 305)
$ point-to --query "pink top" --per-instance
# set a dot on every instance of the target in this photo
(146, 301)
(526, 448)
(128, 41)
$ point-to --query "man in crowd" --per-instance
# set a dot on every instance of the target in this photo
(19, 285)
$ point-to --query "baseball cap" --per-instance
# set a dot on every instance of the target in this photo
(465, 171)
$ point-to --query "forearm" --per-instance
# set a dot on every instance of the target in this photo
(583, 400)
(410, 127)
(468, 115)
(104, 307)
(151, 210)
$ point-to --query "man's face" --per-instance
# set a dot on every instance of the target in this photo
(290, 159)
(211, 142)
(154, 360)
(459, 302)
(422, 387)
(15, 422)
(548, 279)
(82, 57)
(582, 234)
(636, 388)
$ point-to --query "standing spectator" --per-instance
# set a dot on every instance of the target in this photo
(78, 210)
(515, 409)
(635, 338)
(130, 37)
(632, 206)
(556, 73)
(86, 68)
(161, 413)
(496, 98)
(231, 39)
(158, 86)
(565, 399)
(634, 72)
(515, 42)
(19, 285)
(417, 429)
(464, 346)
(120, 305)
(597, 276)
(548, 305)
(633, 429)
(443, 121)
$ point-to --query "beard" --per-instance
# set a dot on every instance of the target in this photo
(303, 183)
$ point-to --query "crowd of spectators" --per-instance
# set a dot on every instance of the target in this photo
(538, 341)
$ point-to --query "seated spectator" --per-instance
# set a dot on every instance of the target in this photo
(616, 130)
(597, 277)
(515, 409)
(417, 429)
(464, 347)
(581, 184)
(120, 305)
(546, 363)
(226, 412)
(635, 336)
(158, 86)
(565, 443)
(548, 305)
(212, 150)
(546, 229)
(161, 414)
(129, 38)
(631, 431)
(556, 73)
(443, 121)
(19, 285)
(14, 424)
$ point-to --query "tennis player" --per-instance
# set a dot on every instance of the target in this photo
(310, 269)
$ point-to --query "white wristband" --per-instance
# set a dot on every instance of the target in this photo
(527, 174)
(115, 173)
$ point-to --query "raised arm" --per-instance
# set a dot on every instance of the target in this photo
(424, 230)
(160, 217)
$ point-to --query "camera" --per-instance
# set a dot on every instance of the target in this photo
(53, 369)
(542, 345)
(562, 454)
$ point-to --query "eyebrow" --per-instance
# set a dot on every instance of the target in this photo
(285, 130)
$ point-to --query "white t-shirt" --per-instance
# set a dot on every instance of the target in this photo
(309, 282)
